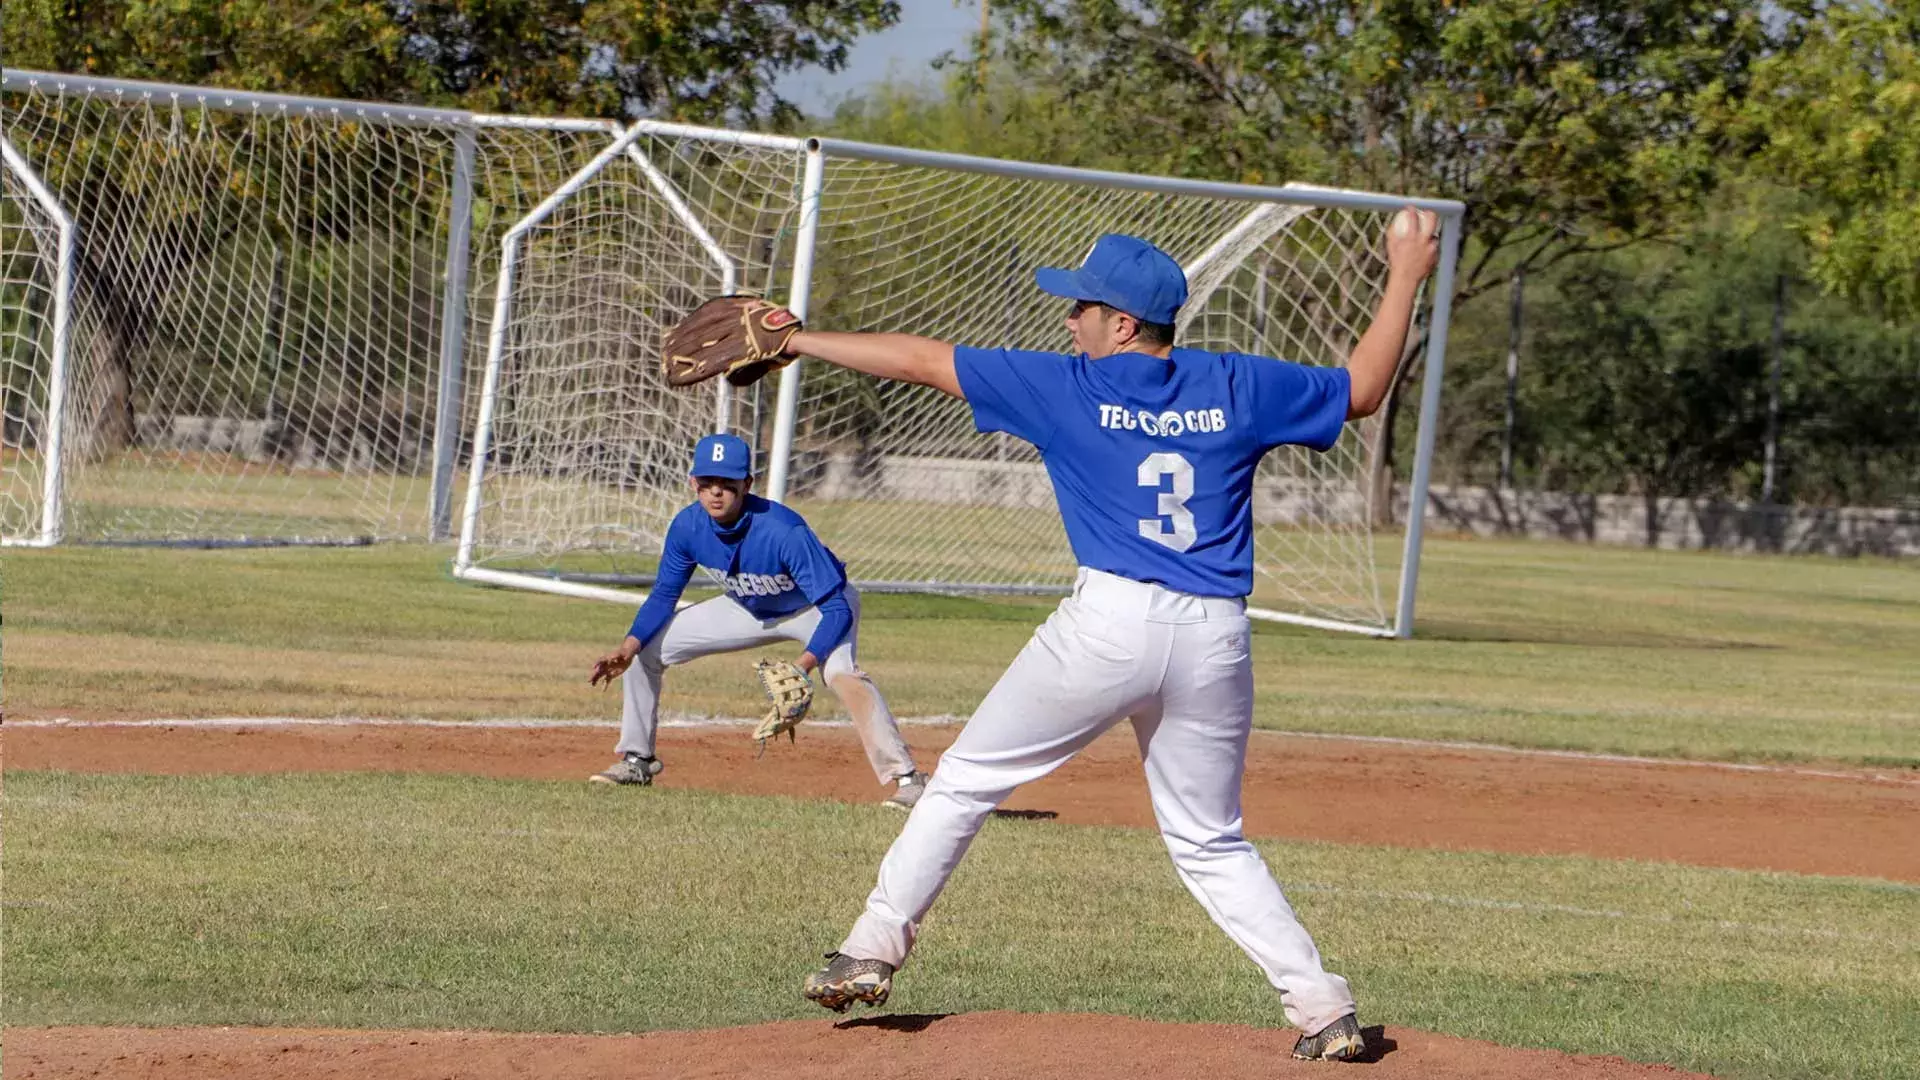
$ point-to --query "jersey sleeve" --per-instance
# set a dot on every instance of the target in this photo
(836, 618)
(1012, 390)
(1298, 404)
(811, 565)
(676, 569)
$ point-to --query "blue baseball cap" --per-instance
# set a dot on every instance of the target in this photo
(725, 456)
(1125, 273)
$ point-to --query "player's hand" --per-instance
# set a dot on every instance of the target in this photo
(1413, 243)
(610, 667)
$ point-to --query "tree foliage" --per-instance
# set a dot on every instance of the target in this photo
(694, 59)
(1647, 371)
(1604, 146)
(1646, 379)
(1839, 117)
(1566, 126)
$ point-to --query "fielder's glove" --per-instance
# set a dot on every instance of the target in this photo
(743, 337)
(791, 695)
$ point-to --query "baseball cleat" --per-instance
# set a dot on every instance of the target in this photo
(912, 786)
(1338, 1041)
(846, 980)
(630, 769)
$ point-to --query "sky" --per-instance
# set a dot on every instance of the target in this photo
(926, 29)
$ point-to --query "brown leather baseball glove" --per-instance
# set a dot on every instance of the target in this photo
(789, 694)
(742, 337)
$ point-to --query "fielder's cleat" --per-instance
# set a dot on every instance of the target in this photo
(1338, 1041)
(846, 980)
(912, 786)
(630, 769)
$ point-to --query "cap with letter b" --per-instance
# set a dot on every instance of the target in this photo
(726, 456)
(1125, 273)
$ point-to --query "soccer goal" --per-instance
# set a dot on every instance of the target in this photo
(578, 457)
(237, 318)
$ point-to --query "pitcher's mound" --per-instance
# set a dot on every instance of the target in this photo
(1026, 1046)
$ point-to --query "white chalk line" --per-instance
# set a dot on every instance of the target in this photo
(697, 720)
(668, 720)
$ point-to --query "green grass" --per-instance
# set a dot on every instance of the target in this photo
(452, 903)
(158, 493)
(1531, 644)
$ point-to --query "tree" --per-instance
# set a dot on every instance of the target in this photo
(695, 59)
(1007, 118)
(1566, 126)
(1839, 117)
(1647, 371)
(1648, 378)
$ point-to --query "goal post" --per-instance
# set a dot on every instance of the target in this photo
(861, 237)
(36, 267)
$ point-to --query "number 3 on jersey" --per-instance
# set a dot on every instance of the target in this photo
(1180, 534)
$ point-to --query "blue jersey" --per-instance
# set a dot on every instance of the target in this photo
(768, 561)
(1151, 459)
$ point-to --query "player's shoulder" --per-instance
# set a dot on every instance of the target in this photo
(1251, 369)
(1207, 358)
(1027, 362)
(779, 515)
(1207, 368)
(999, 352)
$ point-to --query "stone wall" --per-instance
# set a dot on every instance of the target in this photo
(1015, 484)
(365, 446)
(1677, 523)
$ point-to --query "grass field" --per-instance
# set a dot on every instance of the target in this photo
(396, 901)
(1661, 653)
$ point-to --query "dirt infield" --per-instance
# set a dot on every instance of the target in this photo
(1302, 788)
(899, 1047)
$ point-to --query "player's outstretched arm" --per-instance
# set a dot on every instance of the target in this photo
(1410, 258)
(902, 357)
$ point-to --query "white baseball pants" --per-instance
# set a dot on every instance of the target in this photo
(1179, 666)
(721, 625)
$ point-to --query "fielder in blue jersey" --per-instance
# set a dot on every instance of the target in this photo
(1152, 451)
(780, 584)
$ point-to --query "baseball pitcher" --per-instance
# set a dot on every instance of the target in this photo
(1152, 451)
(781, 584)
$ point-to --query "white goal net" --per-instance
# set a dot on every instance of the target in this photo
(582, 447)
(266, 322)
(236, 318)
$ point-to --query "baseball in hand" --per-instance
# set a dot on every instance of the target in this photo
(1407, 220)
